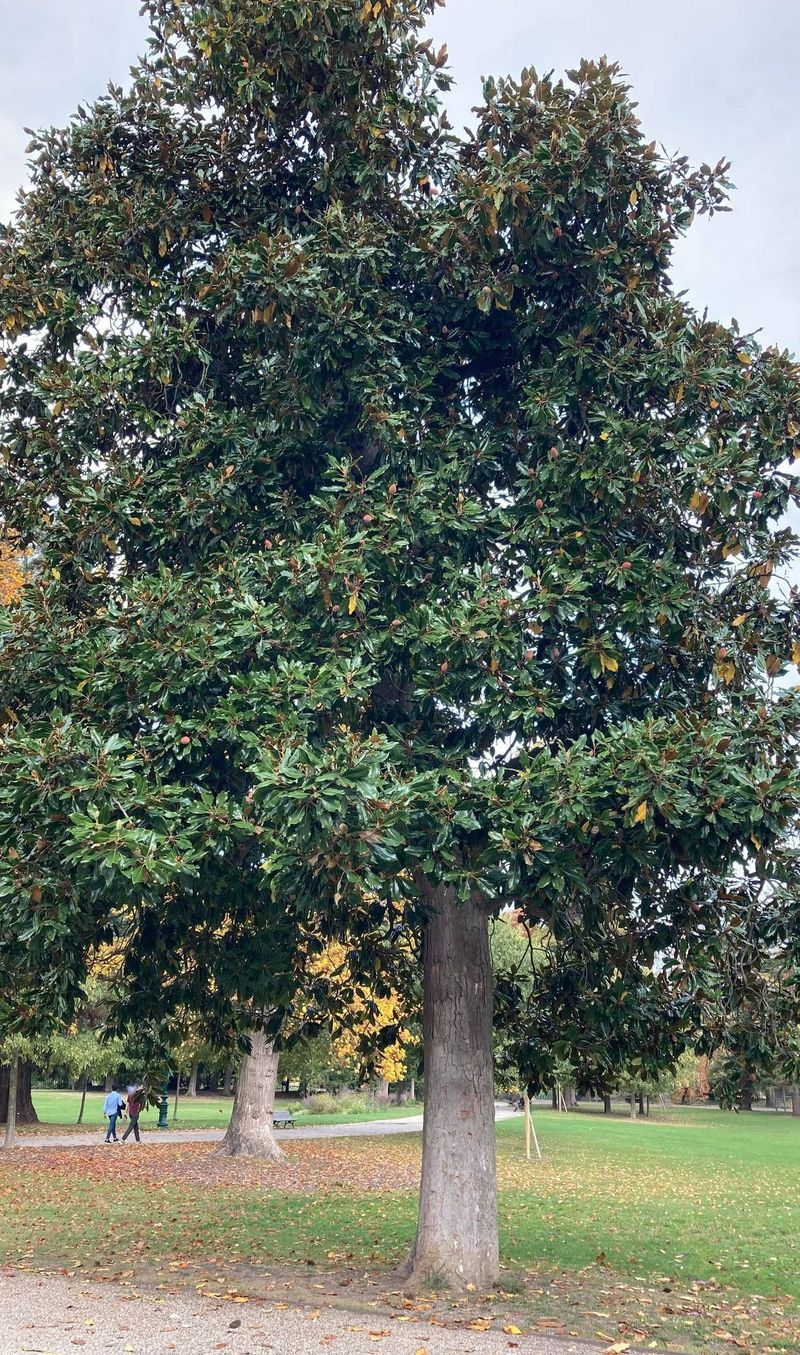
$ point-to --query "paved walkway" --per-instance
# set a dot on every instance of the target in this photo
(406, 1124)
(52, 1315)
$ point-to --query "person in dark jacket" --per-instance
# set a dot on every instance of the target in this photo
(136, 1100)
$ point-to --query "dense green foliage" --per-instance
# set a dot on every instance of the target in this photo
(396, 524)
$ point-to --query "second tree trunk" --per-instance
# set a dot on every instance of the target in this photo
(250, 1132)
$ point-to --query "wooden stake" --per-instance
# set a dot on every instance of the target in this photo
(530, 1128)
(177, 1095)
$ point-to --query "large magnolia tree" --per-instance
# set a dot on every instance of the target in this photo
(404, 543)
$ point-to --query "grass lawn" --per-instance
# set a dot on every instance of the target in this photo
(194, 1112)
(684, 1230)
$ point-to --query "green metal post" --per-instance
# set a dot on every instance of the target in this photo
(163, 1107)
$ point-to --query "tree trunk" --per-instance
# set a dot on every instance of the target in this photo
(747, 1088)
(796, 1099)
(555, 1099)
(11, 1105)
(177, 1095)
(770, 1099)
(606, 1105)
(412, 1090)
(26, 1113)
(633, 1105)
(83, 1098)
(250, 1131)
(568, 1093)
(191, 1090)
(456, 1240)
(382, 1089)
(641, 1103)
(227, 1089)
(109, 1083)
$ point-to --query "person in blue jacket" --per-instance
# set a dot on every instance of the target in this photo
(113, 1107)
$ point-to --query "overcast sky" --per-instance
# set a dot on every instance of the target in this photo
(712, 77)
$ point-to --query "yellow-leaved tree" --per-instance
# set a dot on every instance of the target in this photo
(11, 571)
(365, 1018)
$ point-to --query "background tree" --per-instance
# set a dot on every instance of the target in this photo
(405, 548)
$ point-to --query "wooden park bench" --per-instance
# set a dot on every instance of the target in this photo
(282, 1119)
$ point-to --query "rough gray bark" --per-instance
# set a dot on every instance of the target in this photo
(11, 1108)
(191, 1089)
(227, 1089)
(109, 1083)
(796, 1099)
(456, 1240)
(412, 1090)
(250, 1132)
(606, 1105)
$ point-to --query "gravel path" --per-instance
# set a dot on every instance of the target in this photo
(407, 1124)
(52, 1315)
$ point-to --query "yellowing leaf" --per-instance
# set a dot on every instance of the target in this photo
(641, 813)
(795, 651)
(633, 197)
(699, 501)
(605, 435)
(740, 620)
(745, 359)
(608, 663)
(617, 1348)
(352, 603)
(511, 1330)
(726, 671)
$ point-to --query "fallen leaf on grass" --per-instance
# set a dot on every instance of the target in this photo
(511, 1330)
(617, 1348)
(479, 1324)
